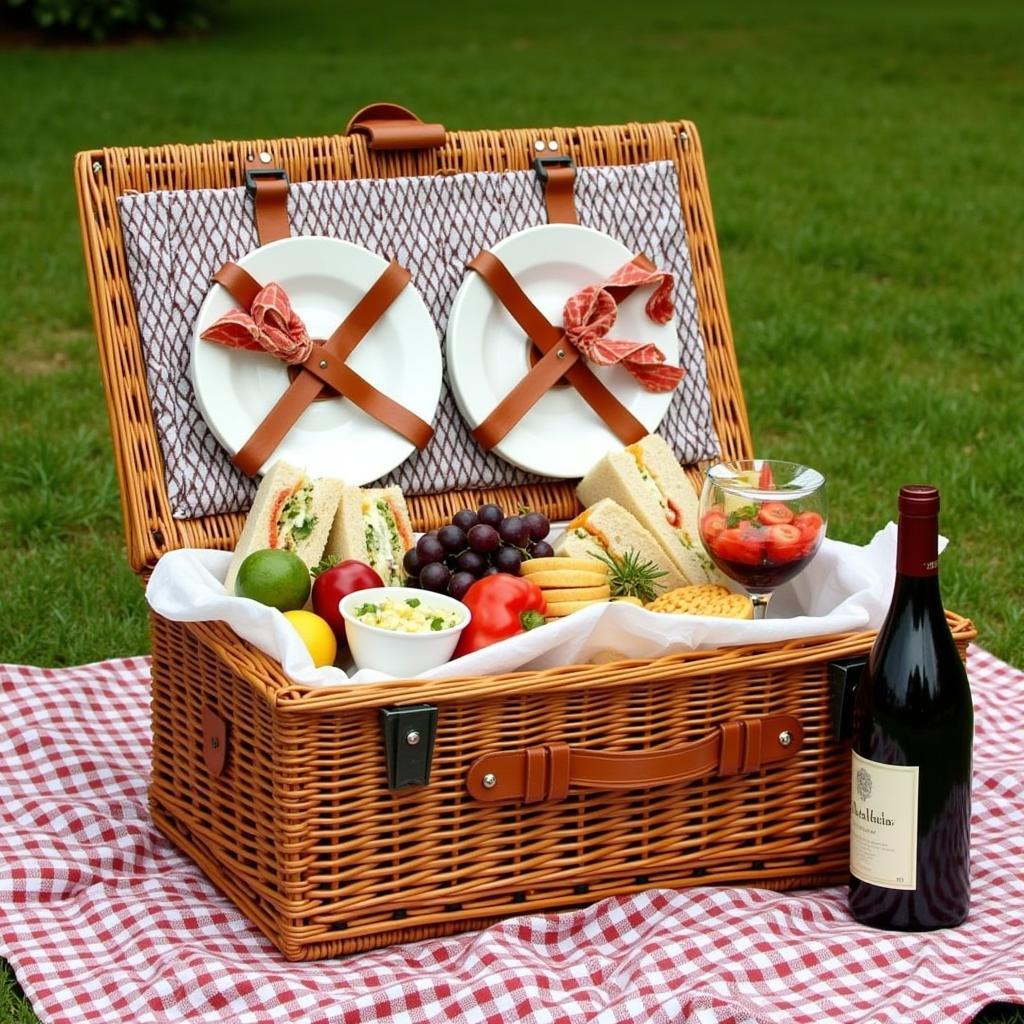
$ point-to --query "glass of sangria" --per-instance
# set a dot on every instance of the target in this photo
(762, 521)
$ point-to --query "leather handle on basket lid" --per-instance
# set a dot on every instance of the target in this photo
(549, 772)
(389, 126)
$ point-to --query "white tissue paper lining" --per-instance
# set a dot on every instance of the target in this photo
(844, 588)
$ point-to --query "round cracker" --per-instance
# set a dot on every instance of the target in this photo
(534, 565)
(558, 611)
(551, 579)
(704, 599)
(559, 595)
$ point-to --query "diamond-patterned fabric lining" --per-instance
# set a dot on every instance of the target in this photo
(175, 241)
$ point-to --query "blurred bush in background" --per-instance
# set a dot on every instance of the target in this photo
(101, 20)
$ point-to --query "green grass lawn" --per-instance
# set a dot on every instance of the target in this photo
(864, 163)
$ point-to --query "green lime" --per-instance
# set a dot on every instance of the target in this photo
(275, 577)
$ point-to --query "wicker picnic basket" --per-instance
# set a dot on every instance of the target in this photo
(295, 802)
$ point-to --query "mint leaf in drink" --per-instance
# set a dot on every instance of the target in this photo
(745, 514)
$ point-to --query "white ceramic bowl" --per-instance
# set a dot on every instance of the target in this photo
(400, 654)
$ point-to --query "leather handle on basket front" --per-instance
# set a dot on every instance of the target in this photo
(547, 773)
(389, 126)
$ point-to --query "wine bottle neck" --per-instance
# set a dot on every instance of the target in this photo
(917, 546)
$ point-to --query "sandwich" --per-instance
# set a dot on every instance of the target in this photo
(607, 532)
(289, 511)
(373, 526)
(647, 480)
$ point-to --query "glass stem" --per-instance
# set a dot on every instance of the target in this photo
(760, 602)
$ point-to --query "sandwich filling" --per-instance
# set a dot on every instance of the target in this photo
(385, 546)
(583, 529)
(292, 519)
(668, 507)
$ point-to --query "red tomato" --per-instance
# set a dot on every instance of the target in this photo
(810, 525)
(785, 543)
(333, 584)
(712, 525)
(772, 513)
(739, 545)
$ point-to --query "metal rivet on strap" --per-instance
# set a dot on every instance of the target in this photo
(323, 364)
(552, 145)
(412, 737)
(490, 780)
(560, 354)
(214, 742)
(265, 157)
(785, 738)
(539, 145)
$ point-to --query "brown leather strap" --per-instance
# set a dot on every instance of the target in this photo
(241, 285)
(547, 773)
(360, 392)
(269, 188)
(558, 195)
(326, 366)
(550, 340)
(390, 126)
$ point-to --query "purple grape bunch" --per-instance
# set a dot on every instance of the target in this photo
(473, 545)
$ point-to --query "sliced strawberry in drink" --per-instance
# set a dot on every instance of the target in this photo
(743, 544)
(785, 543)
(712, 524)
(766, 479)
(771, 513)
(810, 525)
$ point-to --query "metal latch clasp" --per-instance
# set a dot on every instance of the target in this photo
(254, 173)
(542, 163)
(843, 677)
(409, 733)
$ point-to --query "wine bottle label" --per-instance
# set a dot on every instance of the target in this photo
(883, 823)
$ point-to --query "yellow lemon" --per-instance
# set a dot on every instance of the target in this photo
(316, 635)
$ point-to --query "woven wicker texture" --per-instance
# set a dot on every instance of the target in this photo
(103, 175)
(300, 829)
(303, 834)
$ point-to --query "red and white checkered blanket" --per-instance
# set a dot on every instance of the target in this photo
(103, 921)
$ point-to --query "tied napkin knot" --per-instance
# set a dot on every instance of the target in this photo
(271, 325)
(590, 314)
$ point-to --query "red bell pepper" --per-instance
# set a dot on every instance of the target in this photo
(502, 606)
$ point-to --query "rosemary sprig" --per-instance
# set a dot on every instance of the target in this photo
(632, 576)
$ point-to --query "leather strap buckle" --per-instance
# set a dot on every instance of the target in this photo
(544, 163)
(557, 174)
(254, 174)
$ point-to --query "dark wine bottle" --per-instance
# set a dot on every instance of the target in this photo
(913, 731)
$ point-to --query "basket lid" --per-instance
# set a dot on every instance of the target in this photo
(102, 176)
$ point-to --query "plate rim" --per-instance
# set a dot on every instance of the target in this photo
(471, 281)
(379, 264)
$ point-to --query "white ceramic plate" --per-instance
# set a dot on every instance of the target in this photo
(400, 355)
(561, 436)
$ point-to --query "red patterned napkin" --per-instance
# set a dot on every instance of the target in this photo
(271, 325)
(590, 314)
